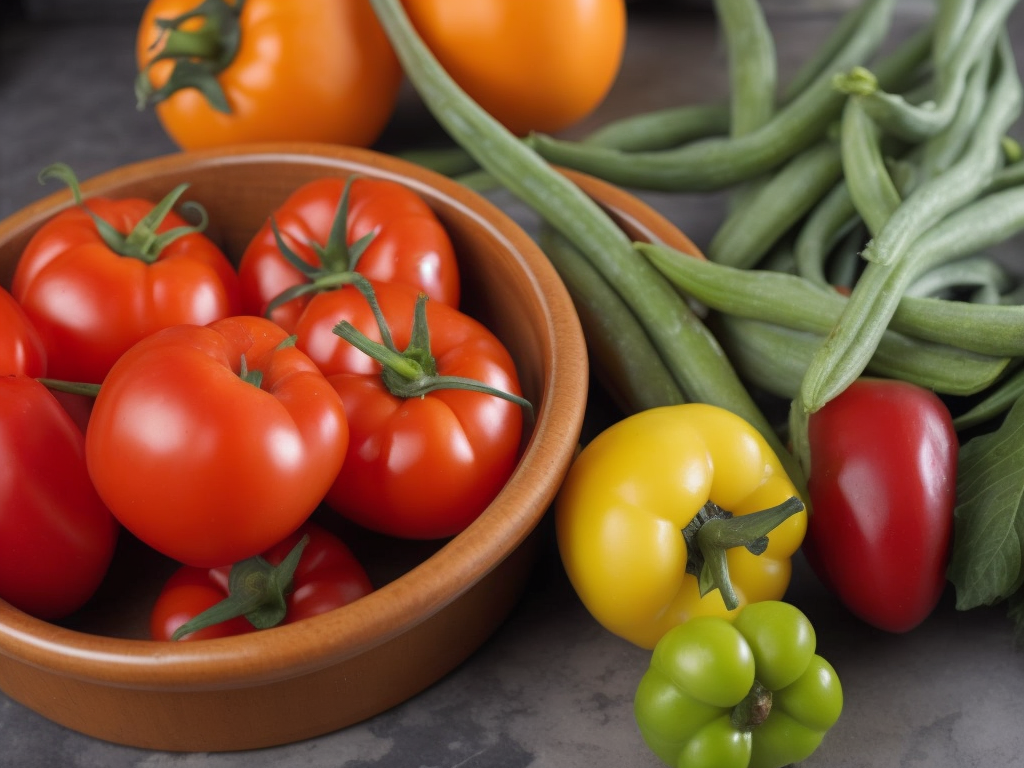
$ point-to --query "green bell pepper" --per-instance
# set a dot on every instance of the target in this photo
(746, 693)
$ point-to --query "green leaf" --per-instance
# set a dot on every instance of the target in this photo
(986, 561)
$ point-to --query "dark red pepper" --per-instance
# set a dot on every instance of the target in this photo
(882, 487)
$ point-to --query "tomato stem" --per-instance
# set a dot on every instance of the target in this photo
(714, 530)
(143, 242)
(199, 55)
(73, 387)
(256, 590)
(413, 372)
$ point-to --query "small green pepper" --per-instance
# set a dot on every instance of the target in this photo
(746, 693)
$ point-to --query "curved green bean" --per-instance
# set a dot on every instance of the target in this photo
(716, 163)
(750, 49)
(662, 128)
(749, 231)
(1000, 400)
(775, 358)
(799, 304)
(914, 122)
(625, 360)
(871, 188)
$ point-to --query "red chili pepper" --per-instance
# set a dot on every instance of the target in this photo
(882, 487)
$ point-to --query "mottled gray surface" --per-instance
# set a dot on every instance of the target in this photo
(551, 688)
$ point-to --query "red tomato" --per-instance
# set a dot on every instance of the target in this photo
(535, 65)
(314, 70)
(90, 303)
(423, 466)
(328, 576)
(409, 246)
(882, 488)
(21, 349)
(56, 537)
(206, 465)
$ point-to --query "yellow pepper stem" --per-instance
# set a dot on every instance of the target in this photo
(714, 530)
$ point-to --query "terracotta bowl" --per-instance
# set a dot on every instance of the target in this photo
(435, 603)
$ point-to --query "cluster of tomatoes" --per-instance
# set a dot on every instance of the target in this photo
(209, 407)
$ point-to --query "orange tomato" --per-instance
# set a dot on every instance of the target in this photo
(534, 65)
(315, 70)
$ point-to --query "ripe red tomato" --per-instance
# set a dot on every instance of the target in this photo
(212, 443)
(328, 576)
(91, 302)
(315, 70)
(21, 348)
(409, 246)
(882, 488)
(56, 536)
(534, 65)
(422, 466)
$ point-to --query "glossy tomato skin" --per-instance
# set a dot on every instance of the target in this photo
(89, 303)
(410, 244)
(883, 489)
(534, 65)
(21, 348)
(328, 576)
(202, 465)
(57, 538)
(316, 70)
(422, 467)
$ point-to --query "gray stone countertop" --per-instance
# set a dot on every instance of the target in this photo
(551, 687)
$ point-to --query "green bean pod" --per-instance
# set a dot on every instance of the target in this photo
(871, 188)
(625, 360)
(774, 358)
(749, 231)
(750, 49)
(800, 304)
(717, 163)
(914, 122)
(662, 128)
(995, 404)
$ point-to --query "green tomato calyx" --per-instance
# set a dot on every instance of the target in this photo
(412, 372)
(199, 55)
(256, 590)
(714, 530)
(143, 242)
(338, 259)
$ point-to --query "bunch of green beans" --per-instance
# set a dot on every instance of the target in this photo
(680, 345)
(882, 169)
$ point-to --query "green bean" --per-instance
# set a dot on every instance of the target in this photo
(916, 122)
(822, 59)
(749, 231)
(872, 189)
(1000, 400)
(952, 17)
(687, 347)
(716, 163)
(973, 272)
(961, 182)
(662, 128)
(878, 290)
(625, 360)
(750, 49)
(449, 161)
(801, 304)
(775, 358)
(825, 226)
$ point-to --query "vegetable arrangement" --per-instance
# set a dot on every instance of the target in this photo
(850, 287)
(214, 439)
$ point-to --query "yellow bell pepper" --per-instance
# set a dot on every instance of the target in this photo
(675, 512)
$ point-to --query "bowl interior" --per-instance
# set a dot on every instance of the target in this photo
(507, 284)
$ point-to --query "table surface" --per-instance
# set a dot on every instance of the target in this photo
(551, 687)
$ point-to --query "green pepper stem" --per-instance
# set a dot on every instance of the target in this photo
(714, 530)
(753, 710)
(256, 590)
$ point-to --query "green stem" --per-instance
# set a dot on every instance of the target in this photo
(256, 590)
(713, 530)
(72, 387)
(753, 710)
